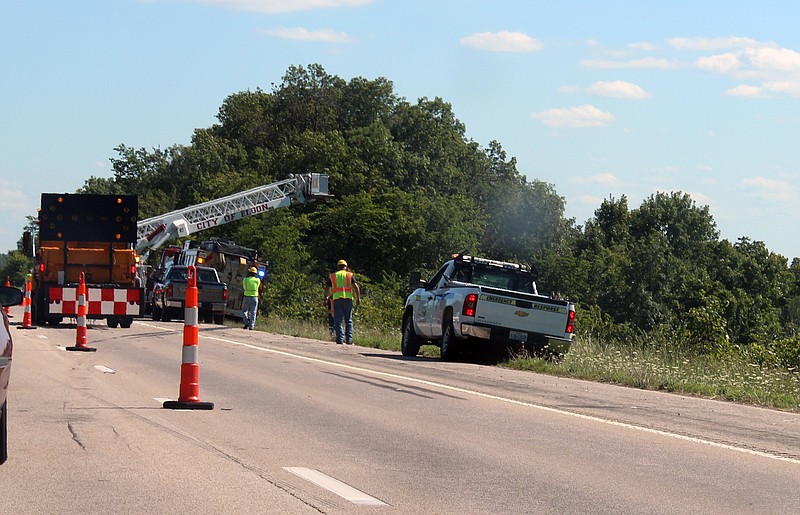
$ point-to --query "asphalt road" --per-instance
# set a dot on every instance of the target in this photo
(304, 426)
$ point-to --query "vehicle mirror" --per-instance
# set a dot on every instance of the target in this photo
(10, 296)
(415, 281)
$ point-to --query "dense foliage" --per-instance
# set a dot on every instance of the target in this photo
(410, 188)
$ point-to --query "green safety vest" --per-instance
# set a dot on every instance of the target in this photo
(251, 285)
(342, 285)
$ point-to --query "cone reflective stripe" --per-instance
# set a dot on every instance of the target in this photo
(80, 336)
(189, 393)
(26, 303)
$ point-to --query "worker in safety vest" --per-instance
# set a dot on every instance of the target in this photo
(252, 286)
(342, 289)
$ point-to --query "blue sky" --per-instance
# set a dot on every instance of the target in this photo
(598, 98)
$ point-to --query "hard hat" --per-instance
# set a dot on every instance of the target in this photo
(341, 262)
(253, 270)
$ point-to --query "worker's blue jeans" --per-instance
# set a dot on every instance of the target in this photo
(249, 310)
(343, 312)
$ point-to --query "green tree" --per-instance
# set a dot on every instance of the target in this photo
(15, 269)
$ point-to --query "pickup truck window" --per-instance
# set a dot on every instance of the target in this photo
(434, 282)
(495, 278)
(179, 274)
(206, 276)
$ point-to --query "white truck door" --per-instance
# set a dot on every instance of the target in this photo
(435, 304)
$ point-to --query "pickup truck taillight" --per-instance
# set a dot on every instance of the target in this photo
(225, 293)
(470, 302)
(571, 322)
(169, 291)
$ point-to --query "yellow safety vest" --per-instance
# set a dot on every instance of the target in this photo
(251, 286)
(342, 285)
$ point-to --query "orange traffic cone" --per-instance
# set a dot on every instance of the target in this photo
(8, 308)
(26, 303)
(80, 337)
(189, 396)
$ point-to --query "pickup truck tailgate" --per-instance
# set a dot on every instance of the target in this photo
(205, 293)
(522, 312)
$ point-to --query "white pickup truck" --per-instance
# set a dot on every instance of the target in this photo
(482, 302)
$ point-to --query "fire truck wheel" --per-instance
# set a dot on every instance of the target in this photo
(112, 322)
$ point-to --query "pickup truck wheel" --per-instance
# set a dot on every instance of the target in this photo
(219, 319)
(165, 315)
(156, 312)
(449, 345)
(411, 341)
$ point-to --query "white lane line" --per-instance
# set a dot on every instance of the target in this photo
(334, 485)
(105, 369)
(161, 401)
(165, 329)
(42, 336)
(512, 401)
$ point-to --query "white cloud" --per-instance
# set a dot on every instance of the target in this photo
(617, 89)
(503, 42)
(280, 6)
(745, 90)
(580, 116)
(706, 44)
(603, 178)
(777, 69)
(643, 45)
(722, 63)
(771, 190)
(300, 34)
(646, 62)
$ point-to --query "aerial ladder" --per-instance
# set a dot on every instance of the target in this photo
(297, 189)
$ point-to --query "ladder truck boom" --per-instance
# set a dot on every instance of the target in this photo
(297, 189)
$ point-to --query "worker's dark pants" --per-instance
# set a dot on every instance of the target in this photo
(343, 312)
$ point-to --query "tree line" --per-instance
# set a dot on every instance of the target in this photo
(410, 188)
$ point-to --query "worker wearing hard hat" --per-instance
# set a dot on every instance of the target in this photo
(252, 287)
(342, 289)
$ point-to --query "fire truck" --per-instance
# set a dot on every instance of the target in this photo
(231, 261)
(91, 235)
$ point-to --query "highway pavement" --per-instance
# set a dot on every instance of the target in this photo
(306, 426)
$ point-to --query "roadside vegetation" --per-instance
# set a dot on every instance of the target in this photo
(662, 302)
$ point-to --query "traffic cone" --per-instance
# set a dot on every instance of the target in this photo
(8, 308)
(189, 396)
(80, 337)
(26, 303)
